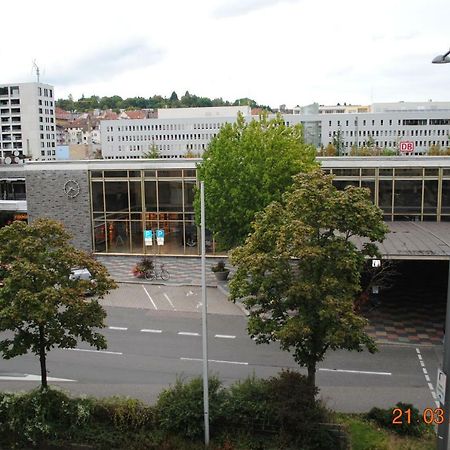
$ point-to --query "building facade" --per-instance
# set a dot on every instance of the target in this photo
(173, 134)
(108, 206)
(405, 128)
(27, 119)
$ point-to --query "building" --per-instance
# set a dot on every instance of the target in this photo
(27, 117)
(174, 133)
(107, 205)
(405, 128)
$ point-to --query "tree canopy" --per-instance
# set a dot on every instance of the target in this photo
(156, 101)
(299, 272)
(245, 167)
(40, 303)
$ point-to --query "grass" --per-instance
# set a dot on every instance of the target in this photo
(366, 435)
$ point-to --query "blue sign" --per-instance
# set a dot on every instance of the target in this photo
(148, 237)
(160, 237)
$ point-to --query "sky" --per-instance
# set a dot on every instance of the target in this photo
(292, 52)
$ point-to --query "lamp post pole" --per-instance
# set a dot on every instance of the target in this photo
(204, 318)
(443, 428)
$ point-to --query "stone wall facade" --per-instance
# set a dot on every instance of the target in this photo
(46, 198)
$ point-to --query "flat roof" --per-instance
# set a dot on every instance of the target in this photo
(351, 162)
(415, 241)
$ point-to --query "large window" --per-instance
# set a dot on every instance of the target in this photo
(126, 203)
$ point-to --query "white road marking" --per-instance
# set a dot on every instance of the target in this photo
(145, 330)
(427, 378)
(363, 372)
(187, 333)
(240, 363)
(149, 296)
(118, 328)
(27, 377)
(93, 351)
(170, 301)
(224, 336)
(189, 293)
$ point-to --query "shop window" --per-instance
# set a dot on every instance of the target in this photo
(170, 196)
(385, 195)
(116, 195)
(430, 195)
(189, 187)
(407, 196)
(97, 196)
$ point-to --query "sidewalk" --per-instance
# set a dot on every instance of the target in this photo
(401, 319)
(184, 271)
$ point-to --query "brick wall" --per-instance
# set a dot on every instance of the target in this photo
(46, 198)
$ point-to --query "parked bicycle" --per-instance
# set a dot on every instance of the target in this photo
(154, 274)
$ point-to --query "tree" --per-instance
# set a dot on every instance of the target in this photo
(245, 167)
(152, 153)
(299, 272)
(40, 304)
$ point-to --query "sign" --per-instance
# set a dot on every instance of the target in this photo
(406, 146)
(160, 237)
(148, 237)
(440, 386)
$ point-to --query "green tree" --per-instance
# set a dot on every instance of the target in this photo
(299, 272)
(152, 153)
(40, 304)
(435, 150)
(245, 167)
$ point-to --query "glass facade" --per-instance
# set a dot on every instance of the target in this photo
(416, 193)
(126, 203)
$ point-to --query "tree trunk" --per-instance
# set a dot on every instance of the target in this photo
(312, 374)
(42, 359)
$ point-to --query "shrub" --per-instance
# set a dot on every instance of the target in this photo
(297, 413)
(219, 267)
(384, 418)
(179, 409)
(247, 406)
(40, 415)
(144, 265)
(124, 414)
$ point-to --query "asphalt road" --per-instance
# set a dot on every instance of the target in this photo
(151, 344)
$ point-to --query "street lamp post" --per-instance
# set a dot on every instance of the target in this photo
(204, 318)
(443, 428)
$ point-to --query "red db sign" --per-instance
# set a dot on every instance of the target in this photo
(407, 147)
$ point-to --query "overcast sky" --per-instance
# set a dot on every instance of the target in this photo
(291, 52)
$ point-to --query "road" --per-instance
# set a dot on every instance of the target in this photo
(154, 336)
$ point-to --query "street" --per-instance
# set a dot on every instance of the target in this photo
(154, 336)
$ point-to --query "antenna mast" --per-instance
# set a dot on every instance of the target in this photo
(36, 68)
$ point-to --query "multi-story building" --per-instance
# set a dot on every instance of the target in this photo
(405, 128)
(27, 119)
(174, 133)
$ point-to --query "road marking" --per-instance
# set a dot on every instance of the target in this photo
(188, 293)
(225, 336)
(93, 351)
(363, 372)
(187, 333)
(427, 378)
(118, 328)
(150, 297)
(170, 301)
(145, 330)
(240, 363)
(27, 377)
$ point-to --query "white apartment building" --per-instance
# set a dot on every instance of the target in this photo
(407, 128)
(174, 133)
(27, 120)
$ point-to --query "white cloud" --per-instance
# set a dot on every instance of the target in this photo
(285, 51)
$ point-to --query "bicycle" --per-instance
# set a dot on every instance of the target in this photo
(154, 274)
